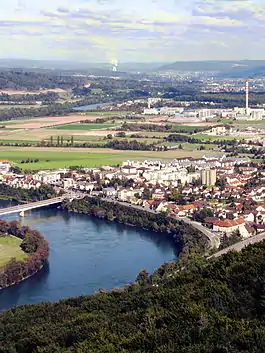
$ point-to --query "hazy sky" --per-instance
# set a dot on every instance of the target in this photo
(132, 30)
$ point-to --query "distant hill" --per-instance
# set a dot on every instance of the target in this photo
(241, 68)
(89, 67)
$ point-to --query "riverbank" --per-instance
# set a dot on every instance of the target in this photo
(33, 244)
(12, 198)
(184, 236)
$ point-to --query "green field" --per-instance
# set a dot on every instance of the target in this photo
(204, 137)
(52, 158)
(10, 247)
(84, 127)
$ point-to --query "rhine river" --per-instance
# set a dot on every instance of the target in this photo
(86, 254)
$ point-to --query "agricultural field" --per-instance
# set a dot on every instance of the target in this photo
(85, 127)
(204, 137)
(51, 121)
(52, 158)
(9, 248)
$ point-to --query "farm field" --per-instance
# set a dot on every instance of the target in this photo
(85, 127)
(10, 247)
(204, 137)
(52, 158)
(36, 123)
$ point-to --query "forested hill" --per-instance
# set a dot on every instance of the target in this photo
(213, 307)
(27, 80)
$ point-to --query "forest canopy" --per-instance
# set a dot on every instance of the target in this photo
(212, 307)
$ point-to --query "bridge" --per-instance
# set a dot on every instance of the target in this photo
(30, 206)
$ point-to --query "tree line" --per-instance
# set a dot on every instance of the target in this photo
(55, 109)
(185, 237)
(33, 243)
(33, 81)
(162, 128)
(42, 193)
(213, 307)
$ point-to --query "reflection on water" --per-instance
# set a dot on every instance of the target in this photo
(86, 253)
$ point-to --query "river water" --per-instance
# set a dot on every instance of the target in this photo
(91, 107)
(86, 254)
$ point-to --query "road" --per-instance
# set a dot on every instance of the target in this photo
(241, 245)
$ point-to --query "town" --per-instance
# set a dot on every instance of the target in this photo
(224, 194)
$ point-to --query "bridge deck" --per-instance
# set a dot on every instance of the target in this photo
(30, 206)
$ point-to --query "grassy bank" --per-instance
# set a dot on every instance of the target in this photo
(10, 248)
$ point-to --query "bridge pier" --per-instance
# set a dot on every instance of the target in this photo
(22, 214)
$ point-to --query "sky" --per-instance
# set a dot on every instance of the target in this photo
(132, 30)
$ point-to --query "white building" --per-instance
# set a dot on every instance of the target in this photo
(151, 111)
(4, 166)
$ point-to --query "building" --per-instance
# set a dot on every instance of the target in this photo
(151, 111)
(171, 110)
(208, 176)
(229, 226)
(205, 114)
(257, 114)
(4, 166)
(217, 131)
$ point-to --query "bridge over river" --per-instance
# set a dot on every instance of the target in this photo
(30, 206)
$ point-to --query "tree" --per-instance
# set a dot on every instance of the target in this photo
(147, 194)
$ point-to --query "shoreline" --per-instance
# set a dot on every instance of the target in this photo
(23, 279)
(38, 254)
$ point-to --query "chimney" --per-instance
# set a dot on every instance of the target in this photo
(247, 94)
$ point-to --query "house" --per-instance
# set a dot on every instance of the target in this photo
(128, 169)
(4, 166)
(110, 192)
(229, 226)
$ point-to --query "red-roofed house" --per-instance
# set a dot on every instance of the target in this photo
(229, 226)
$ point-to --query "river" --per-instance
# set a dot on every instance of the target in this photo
(86, 254)
(91, 107)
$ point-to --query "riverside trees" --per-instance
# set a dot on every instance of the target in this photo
(33, 243)
(215, 307)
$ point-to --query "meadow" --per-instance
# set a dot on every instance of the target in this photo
(9, 248)
(86, 127)
(52, 158)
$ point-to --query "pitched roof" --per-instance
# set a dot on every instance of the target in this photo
(227, 223)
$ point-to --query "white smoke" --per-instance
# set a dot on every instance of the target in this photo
(114, 63)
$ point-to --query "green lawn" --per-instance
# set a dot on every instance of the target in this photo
(10, 247)
(84, 127)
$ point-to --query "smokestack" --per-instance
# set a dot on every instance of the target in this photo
(247, 94)
(149, 103)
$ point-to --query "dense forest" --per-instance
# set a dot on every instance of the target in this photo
(34, 81)
(49, 110)
(185, 238)
(19, 194)
(33, 244)
(208, 307)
